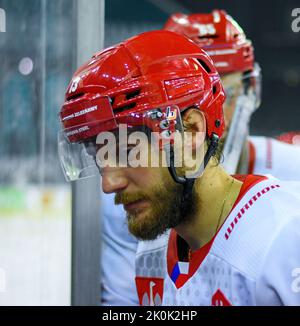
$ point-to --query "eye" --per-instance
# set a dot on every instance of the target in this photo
(125, 149)
(90, 148)
(123, 153)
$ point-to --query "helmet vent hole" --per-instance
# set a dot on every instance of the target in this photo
(124, 108)
(247, 53)
(214, 90)
(112, 100)
(133, 94)
(207, 36)
(204, 65)
(73, 97)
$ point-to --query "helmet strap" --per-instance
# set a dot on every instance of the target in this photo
(188, 183)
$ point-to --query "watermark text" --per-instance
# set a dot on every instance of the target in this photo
(296, 280)
(2, 20)
(2, 280)
(296, 22)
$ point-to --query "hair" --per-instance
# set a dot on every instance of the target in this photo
(218, 154)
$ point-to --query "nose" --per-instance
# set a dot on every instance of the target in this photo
(113, 180)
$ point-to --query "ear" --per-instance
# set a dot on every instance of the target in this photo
(194, 122)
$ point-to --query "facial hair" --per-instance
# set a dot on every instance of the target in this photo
(167, 209)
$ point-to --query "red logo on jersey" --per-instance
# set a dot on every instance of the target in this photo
(150, 290)
(219, 299)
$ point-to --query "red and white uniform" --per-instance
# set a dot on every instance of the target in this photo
(254, 258)
(271, 156)
(267, 156)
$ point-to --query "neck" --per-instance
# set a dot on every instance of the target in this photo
(216, 193)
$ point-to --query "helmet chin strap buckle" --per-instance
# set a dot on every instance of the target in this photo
(170, 160)
(214, 142)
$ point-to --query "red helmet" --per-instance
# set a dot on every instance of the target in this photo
(292, 137)
(153, 69)
(220, 36)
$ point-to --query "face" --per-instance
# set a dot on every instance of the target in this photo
(151, 199)
(233, 85)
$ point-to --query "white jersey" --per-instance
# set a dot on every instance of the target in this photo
(254, 259)
(271, 156)
(118, 255)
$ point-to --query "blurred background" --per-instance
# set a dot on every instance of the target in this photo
(38, 54)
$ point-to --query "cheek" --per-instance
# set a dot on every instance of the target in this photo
(153, 182)
(144, 178)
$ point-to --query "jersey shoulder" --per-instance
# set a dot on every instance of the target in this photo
(253, 225)
(271, 156)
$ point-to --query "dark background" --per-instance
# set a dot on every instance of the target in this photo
(267, 24)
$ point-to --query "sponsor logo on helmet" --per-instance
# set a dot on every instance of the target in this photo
(77, 114)
(77, 131)
(171, 114)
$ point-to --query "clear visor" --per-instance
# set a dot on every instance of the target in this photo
(124, 143)
(249, 84)
(243, 97)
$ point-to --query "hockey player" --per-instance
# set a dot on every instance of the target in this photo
(223, 240)
(292, 137)
(233, 55)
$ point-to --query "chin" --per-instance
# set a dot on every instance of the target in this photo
(139, 214)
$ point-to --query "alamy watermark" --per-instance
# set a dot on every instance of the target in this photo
(2, 280)
(125, 148)
(296, 22)
(296, 280)
(2, 20)
(140, 150)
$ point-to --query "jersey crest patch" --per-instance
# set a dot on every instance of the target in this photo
(219, 299)
(150, 290)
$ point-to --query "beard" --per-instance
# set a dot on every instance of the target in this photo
(167, 209)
